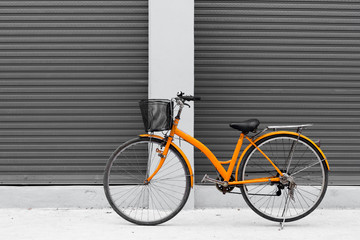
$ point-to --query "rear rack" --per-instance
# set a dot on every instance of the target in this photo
(298, 128)
(290, 126)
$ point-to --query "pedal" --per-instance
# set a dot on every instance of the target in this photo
(206, 178)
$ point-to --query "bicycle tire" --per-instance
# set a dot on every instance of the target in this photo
(137, 201)
(311, 181)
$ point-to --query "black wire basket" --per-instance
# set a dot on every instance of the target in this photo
(157, 114)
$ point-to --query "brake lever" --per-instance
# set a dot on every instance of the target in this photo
(187, 105)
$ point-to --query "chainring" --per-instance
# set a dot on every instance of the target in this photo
(224, 189)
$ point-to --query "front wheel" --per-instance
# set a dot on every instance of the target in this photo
(302, 188)
(135, 199)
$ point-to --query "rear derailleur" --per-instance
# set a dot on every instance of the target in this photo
(288, 181)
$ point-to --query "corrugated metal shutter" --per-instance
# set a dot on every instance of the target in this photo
(282, 62)
(71, 75)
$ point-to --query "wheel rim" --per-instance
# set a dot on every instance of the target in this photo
(137, 200)
(306, 170)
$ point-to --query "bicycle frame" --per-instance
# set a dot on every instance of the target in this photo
(225, 174)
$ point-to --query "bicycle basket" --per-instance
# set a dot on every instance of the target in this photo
(157, 114)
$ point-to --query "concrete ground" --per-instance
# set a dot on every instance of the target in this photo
(199, 224)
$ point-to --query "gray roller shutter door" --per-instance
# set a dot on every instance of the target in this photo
(282, 62)
(71, 74)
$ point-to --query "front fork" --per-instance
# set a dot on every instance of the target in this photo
(163, 154)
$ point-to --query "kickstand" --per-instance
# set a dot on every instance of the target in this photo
(282, 225)
(286, 207)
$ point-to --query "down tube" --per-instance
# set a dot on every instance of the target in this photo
(203, 149)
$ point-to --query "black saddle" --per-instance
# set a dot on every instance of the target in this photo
(246, 126)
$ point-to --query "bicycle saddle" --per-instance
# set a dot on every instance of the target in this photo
(246, 126)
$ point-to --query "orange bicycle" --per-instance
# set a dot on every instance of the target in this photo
(282, 175)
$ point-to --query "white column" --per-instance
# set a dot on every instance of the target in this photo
(171, 58)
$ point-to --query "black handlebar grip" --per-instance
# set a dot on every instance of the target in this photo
(190, 98)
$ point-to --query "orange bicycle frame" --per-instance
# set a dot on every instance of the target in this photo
(226, 174)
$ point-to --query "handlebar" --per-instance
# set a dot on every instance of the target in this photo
(180, 100)
(191, 98)
(183, 97)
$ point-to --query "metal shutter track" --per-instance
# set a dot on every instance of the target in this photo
(71, 74)
(282, 62)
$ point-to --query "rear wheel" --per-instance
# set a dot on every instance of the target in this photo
(303, 186)
(139, 201)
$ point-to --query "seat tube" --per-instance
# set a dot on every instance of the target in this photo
(234, 158)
